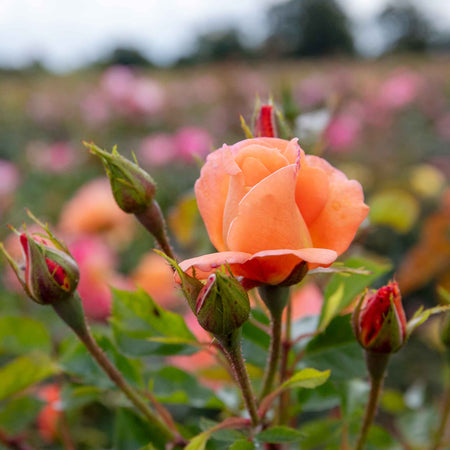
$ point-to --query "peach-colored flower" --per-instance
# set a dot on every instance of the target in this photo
(154, 275)
(50, 414)
(267, 207)
(93, 210)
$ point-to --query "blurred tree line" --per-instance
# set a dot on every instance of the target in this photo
(302, 28)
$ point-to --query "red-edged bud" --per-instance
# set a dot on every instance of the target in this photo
(265, 123)
(379, 320)
(132, 187)
(222, 305)
(48, 273)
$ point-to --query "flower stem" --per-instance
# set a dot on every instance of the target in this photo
(275, 298)
(153, 221)
(376, 365)
(71, 312)
(232, 349)
(444, 419)
(283, 406)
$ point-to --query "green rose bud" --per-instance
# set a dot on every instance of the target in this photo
(132, 187)
(222, 305)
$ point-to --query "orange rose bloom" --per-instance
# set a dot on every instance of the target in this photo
(267, 207)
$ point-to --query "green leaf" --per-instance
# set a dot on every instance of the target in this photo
(342, 290)
(77, 361)
(25, 371)
(173, 385)
(322, 398)
(20, 335)
(422, 315)
(336, 349)
(138, 322)
(73, 396)
(199, 441)
(132, 432)
(279, 435)
(242, 444)
(306, 378)
(18, 414)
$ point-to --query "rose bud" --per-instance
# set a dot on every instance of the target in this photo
(265, 125)
(132, 187)
(48, 274)
(379, 320)
(222, 305)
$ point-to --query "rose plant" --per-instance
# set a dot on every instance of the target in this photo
(275, 215)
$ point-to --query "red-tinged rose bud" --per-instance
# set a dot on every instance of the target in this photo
(48, 273)
(222, 305)
(132, 187)
(379, 320)
(265, 125)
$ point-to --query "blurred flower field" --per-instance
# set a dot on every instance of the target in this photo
(384, 123)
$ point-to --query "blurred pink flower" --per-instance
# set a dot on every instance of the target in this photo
(399, 90)
(146, 97)
(93, 210)
(117, 82)
(313, 91)
(154, 275)
(95, 109)
(97, 263)
(343, 131)
(9, 179)
(192, 141)
(58, 157)
(157, 150)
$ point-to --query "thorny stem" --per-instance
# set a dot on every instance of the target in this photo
(437, 443)
(275, 298)
(376, 364)
(153, 221)
(283, 410)
(274, 355)
(232, 349)
(71, 313)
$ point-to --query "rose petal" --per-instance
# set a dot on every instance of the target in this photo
(311, 191)
(269, 218)
(211, 190)
(206, 264)
(276, 265)
(337, 223)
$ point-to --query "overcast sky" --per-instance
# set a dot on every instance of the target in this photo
(65, 34)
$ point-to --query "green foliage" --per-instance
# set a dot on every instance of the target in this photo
(337, 350)
(132, 432)
(138, 325)
(19, 335)
(76, 361)
(173, 385)
(24, 372)
(279, 435)
(342, 290)
(18, 413)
